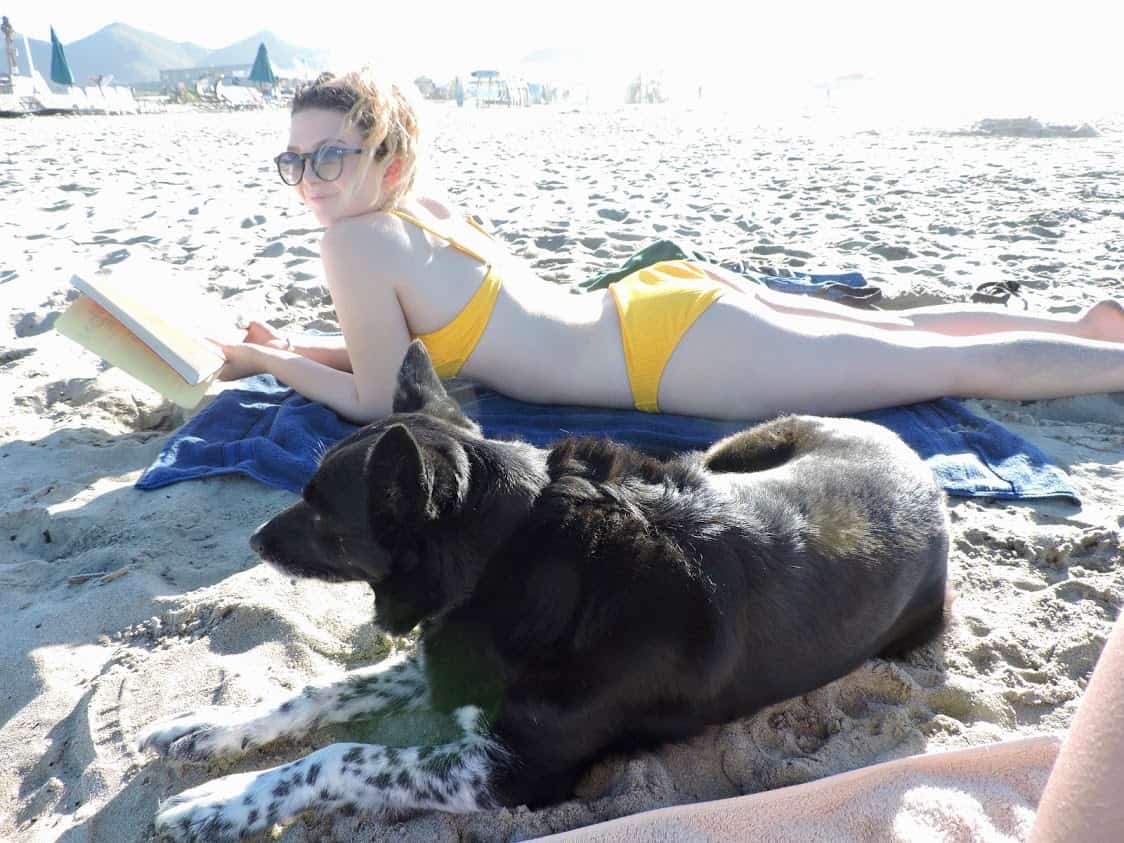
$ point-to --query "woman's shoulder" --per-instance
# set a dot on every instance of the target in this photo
(365, 235)
(371, 227)
(361, 227)
(379, 242)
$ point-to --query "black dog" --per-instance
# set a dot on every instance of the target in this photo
(574, 601)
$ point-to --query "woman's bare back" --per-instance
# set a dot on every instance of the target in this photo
(541, 343)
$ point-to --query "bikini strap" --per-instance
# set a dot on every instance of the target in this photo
(440, 236)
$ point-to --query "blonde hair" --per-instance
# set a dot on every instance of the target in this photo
(384, 114)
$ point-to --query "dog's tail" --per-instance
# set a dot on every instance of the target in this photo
(760, 448)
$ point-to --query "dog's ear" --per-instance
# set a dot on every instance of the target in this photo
(397, 475)
(419, 390)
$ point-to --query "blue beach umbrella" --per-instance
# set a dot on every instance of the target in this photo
(262, 71)
(60, 69)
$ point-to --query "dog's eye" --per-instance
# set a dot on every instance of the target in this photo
(324, 529)
(320, 524)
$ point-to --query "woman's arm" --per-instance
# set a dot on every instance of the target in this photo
(374, 329)
(329, 350)
(315, 381)
(362, 265)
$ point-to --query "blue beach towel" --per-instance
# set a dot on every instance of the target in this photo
(268, 432)
(846, 287)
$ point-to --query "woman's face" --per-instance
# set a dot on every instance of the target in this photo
(341, 197)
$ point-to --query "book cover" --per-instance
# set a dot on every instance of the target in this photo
(191, 356)
(90, 325)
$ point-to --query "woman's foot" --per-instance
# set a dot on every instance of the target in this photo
(1103, 321)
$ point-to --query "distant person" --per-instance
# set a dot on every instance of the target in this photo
(679, 337)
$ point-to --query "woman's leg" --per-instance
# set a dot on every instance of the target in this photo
(740, 361)
(1104, 321)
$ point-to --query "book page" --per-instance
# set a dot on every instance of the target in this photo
(92, 326)
(153, 307)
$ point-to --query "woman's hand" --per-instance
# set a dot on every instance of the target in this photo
(242, 361)
(248, 355)
(258, 333)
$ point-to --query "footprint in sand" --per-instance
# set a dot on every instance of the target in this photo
(892, 253)
(1108, 600)
(552, 263)
(614, 214)
(1095, 548)
(114, 257)
(35, 323)
(1078, 654)
(11, 355)
(766, 249)
(308, 294)
(552, 243)
(627, 236)
(88, 191)
(273, 250)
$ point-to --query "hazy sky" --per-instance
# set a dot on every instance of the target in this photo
(1063, 51)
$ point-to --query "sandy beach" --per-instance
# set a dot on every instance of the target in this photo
(120, 607)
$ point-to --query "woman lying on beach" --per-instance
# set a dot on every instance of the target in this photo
(679, 337)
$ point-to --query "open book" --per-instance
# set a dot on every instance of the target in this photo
(151, 339)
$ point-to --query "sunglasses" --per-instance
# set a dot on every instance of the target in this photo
(327, 163)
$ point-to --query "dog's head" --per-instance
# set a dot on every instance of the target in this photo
(411, 504)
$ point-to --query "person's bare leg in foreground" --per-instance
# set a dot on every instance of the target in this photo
(1084, 798)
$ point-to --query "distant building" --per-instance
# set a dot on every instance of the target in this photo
(189, 75)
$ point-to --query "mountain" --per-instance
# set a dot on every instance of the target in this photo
(282, 56)
(132, 55)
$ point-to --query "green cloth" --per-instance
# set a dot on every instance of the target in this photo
(661, 250)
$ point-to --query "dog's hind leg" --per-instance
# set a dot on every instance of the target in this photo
(394, 684)
(921, 623)
(373, 779)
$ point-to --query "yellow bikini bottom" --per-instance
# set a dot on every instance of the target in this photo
(656, 305)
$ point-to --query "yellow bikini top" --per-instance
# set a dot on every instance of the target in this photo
(450, 345)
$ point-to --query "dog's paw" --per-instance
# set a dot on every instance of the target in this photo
(201, 735)
(230, 808)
